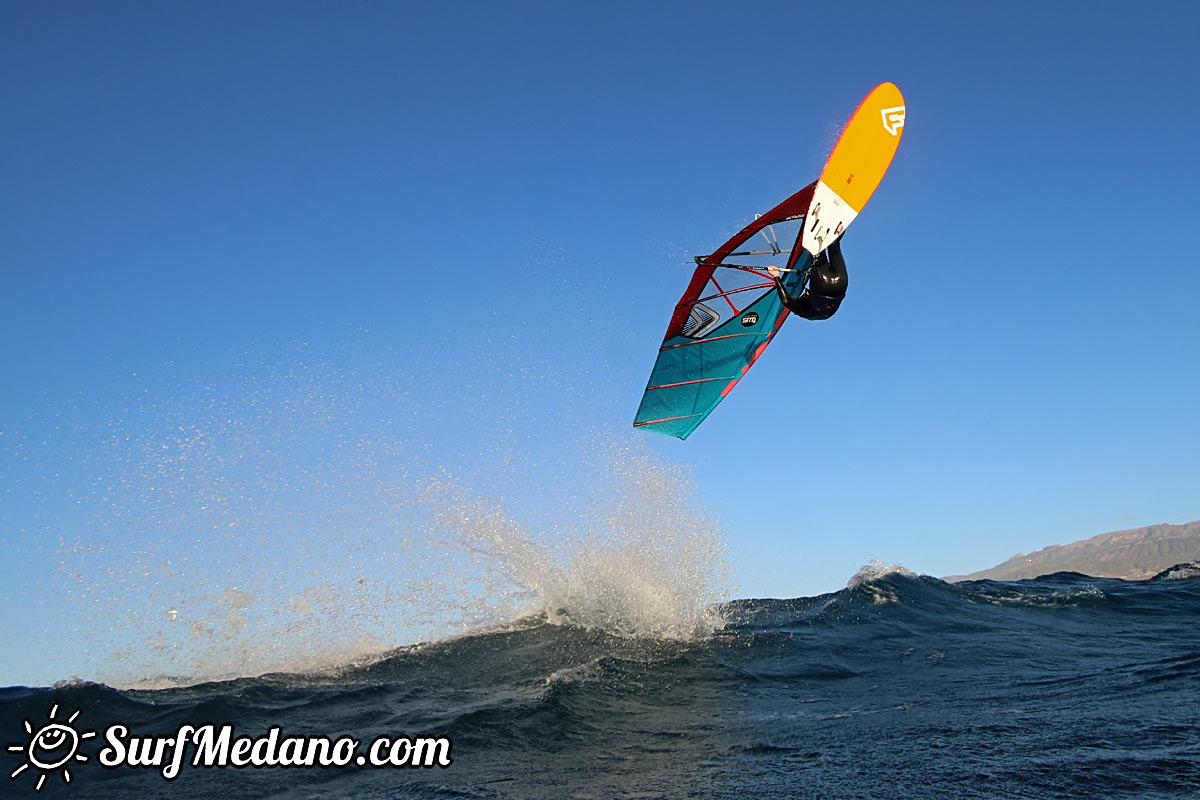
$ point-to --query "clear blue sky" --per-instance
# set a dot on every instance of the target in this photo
(265, 256)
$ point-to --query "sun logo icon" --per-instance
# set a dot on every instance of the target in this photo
(51, 747)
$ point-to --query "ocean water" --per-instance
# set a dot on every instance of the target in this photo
(897, 686)
(242, 556)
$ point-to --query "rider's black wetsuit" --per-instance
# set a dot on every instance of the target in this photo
(825, 288)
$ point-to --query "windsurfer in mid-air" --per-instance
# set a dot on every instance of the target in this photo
(823, 291)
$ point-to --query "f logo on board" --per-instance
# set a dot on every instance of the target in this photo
(893, 119)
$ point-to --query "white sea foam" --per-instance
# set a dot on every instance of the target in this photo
(1183, 572)
(649, 564)
(867, 576)
(874, 570)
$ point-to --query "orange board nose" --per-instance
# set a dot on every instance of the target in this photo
(866, 147)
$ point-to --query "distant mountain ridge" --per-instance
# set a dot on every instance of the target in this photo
(1135, 554)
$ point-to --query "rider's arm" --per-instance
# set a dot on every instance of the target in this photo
(777, 276)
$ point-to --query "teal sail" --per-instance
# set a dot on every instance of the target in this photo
(725, 320)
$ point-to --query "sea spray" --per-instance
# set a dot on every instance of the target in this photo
(645, 562)
(300, 516)
(658, 565)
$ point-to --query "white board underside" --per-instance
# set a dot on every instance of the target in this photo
(828, 218)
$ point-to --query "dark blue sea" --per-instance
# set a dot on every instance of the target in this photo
(898, 686)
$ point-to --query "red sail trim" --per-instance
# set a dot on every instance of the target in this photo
(683, 383)
(757, 352)
(794, 206)
(702, 341)
(664, 419)
(725, 294)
